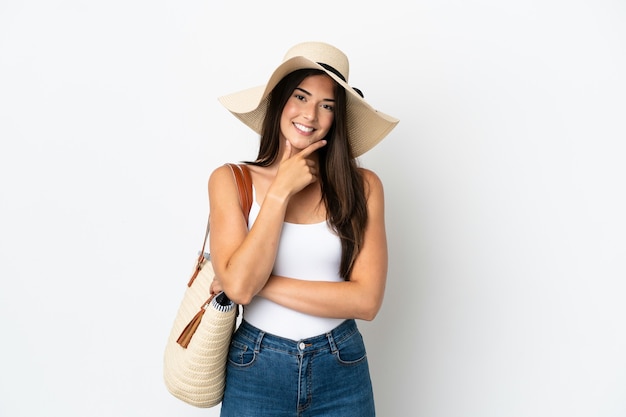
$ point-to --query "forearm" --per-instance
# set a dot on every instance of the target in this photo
(250, 265)
(345, 299)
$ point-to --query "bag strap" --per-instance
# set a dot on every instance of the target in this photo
(244, 186)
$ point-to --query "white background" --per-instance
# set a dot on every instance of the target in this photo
(504, 188)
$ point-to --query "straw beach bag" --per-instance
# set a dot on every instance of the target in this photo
(194, 363)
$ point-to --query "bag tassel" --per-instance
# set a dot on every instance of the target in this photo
(190, 329)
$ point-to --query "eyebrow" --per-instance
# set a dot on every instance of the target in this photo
(309, 94)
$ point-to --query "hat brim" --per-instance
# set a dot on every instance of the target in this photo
(366, 125)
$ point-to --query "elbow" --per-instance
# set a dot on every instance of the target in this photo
(240, 300)
(368, 310)
(368, 315)
(236, 286)
(238, 294)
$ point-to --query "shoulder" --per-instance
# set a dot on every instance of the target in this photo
(223, 173)
(372, 182)
(221, 178)
(220, 172)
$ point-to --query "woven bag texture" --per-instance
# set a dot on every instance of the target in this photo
(196, 374)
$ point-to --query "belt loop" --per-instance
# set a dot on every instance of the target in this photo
(257, 346)
(331, 342)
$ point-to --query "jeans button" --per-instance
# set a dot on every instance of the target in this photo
(301, 345)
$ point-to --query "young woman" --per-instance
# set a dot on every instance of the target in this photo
(312, 256)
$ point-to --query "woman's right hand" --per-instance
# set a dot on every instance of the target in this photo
(296, 170)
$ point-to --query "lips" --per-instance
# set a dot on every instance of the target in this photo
(303, 128)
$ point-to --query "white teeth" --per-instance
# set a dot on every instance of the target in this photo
(303, 128)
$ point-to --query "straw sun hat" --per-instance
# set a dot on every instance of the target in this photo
(366, 126)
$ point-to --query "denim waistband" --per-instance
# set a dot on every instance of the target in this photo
(312, 344)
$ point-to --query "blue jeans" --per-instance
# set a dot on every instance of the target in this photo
(326, 375)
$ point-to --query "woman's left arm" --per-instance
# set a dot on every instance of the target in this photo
(361, 297)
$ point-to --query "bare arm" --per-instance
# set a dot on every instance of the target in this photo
(242, 260)
(361, 297)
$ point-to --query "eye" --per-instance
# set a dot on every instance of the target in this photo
(299, 97)
(328, 107)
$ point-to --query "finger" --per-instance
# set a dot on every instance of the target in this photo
(287, 152)
(312, 148)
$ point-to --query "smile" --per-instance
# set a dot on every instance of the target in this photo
(303, 128)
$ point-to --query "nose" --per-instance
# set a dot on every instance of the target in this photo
(310, 111)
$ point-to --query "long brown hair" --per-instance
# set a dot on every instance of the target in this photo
(342, 184)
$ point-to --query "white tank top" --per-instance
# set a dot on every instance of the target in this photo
(306, 251)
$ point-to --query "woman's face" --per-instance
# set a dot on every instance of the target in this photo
(309, 112)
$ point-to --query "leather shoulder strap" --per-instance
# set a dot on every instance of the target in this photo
(244, 186)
